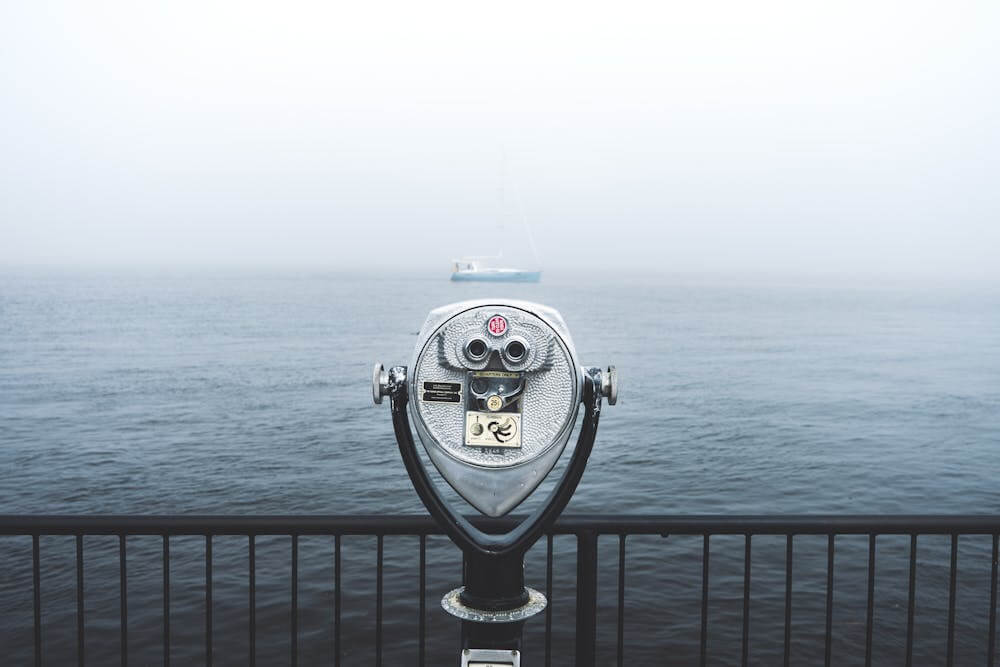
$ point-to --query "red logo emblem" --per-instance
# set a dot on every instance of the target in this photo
(497, 325)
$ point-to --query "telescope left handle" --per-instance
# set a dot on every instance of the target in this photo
(380, 383)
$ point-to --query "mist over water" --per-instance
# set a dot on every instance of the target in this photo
(233, 392)
(855, 138)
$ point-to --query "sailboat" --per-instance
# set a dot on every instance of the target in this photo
(480, 269)
(492, 268)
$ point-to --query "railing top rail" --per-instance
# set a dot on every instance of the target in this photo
(568, 524)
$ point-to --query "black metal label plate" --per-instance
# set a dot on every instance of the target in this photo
(442, 392)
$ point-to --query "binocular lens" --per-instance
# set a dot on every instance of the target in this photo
(515, 350)
(476, 349)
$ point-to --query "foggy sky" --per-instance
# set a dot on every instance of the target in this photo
(783, 136)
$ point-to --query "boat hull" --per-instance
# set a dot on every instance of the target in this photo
(497, 276)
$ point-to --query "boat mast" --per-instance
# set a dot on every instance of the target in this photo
(501, 207)
(527, 227)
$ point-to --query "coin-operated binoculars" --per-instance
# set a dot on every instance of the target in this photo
(494, 389)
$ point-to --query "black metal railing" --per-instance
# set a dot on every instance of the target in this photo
(587, 529)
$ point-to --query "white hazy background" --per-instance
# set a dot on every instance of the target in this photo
(847, 138)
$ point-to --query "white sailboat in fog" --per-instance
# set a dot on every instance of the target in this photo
(494, 268)
(485, 269)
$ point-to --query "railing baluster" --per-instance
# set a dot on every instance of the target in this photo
(461, 631)
(911, 603)
(423, 599)
(123, 591)
(208, 600)
(621, 600)
(378, 604)
(166, 600)
(586, 598)
(991, 647)
(465, 568)
(950, 659)
(294, 639)
(746, 600)
(870, 615)
(788, 599)
(79, 601)
(336, 600)
(36, 576)
(828, 638)
(252, 603)
(703, 643)
(548, 597)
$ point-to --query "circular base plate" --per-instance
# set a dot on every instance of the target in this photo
(452, 604)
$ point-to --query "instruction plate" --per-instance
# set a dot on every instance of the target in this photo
(493, 429)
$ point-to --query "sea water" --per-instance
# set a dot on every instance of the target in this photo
(239, 392)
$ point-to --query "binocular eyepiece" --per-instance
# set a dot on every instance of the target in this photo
(513, 351)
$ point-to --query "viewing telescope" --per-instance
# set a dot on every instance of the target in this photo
(494, 389)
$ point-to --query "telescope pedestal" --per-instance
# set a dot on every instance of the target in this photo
(494, 602)
(493, 605)
(494, 583)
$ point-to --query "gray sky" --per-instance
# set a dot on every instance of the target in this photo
(847, 137)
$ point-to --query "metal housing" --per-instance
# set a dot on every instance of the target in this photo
(496, 481)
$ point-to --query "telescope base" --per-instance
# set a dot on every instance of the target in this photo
(452, 603)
